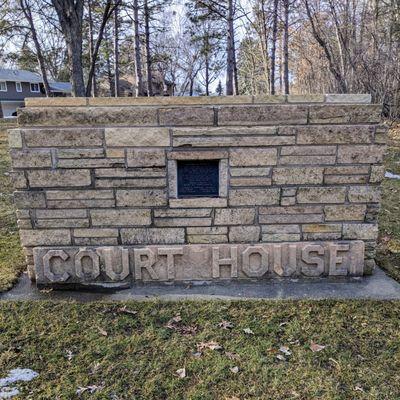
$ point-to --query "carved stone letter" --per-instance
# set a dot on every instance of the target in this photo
(334, 260)
(255, 271)
(285, 259)
(110, 261)
(144, 263)
(80, 273)
(318, 262)
(217, 262)
(170, 252)
(48, 273)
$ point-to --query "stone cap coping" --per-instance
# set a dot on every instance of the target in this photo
(200, 100)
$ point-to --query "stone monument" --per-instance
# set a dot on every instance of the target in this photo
(111, 192)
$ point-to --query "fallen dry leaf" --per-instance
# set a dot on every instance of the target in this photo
(102, 331)
(248, 331)
(91, 389)
(232, 356)
(316, 347)
(358, 388)
(69, 355)
(124, 310)
(174, 324)
(226, 325)
(208, 345)
(285, 350)
(281, 357)
(234, 370)
(181, 373)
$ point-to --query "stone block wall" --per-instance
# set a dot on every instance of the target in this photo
(97, 177)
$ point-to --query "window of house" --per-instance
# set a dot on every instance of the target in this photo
(3, 86)
(35, 88)
(18, 87)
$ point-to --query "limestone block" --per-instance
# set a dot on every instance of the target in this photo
(234, 216)
(186, 116)
(131, 183)
(30, 158)
(252, 157)
(331, 194)
(69, 116)
(207, 230)
(262, 115)
(330, 134)
(161, 222)
(141, 197)
(361, 194)
(183, 213)
(24, 224)
(112, 152)
(342, 212)
(54, 214)
(306, 98)
(198, 202)
(64, 137)
(56, 101)
(152, 235)
(224, 131)
(307, 150)
(348, 98)
(280, 237)
(360, 231)
(272, 99)
(81, 203)
(280, 228)
(290, 215)
(289, 191)
(288, 201)
(59, 178)
(377, 173)
(295, 160)
(198, 155)
(223, 178)
(342, 114)
(302, 175)
(62, 223)
(120, 217)
(347, 170)
(43, 237)
(126, 173)
(21, 214)
(137, 137)
(96, 241)
(246, 181)
(250, 171)
(205, 239)
(91, 163)
(95, 233)
(321, 228)
(322, 236)
(254, 197)
(226, 141)
(361, 154)
(79, 194)
(381, 134)
(197, 262)
(14, 138)
(83, 153)
(29, 199)
(19, 179)
(243, 234)
(343, 179)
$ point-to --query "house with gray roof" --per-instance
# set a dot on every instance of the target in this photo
(16, 85)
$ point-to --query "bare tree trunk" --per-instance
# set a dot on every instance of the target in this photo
(148, 55)
(230, 55)
(235, 69)
(91, 48)
(26, 9)
(273, 49)
(116, 52)
(108, 64)
(138, 56)
(70, 15)
(286, 46)
(207, 76)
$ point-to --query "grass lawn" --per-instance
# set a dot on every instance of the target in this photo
(11, 257)
(135, 352)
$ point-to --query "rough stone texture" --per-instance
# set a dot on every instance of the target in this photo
(103, 172)
(96, 265)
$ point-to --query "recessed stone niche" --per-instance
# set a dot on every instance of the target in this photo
(112, 192)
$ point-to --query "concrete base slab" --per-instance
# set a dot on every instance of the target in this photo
(377, 286)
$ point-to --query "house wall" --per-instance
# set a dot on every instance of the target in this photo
(97, 201)
(12, 94)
